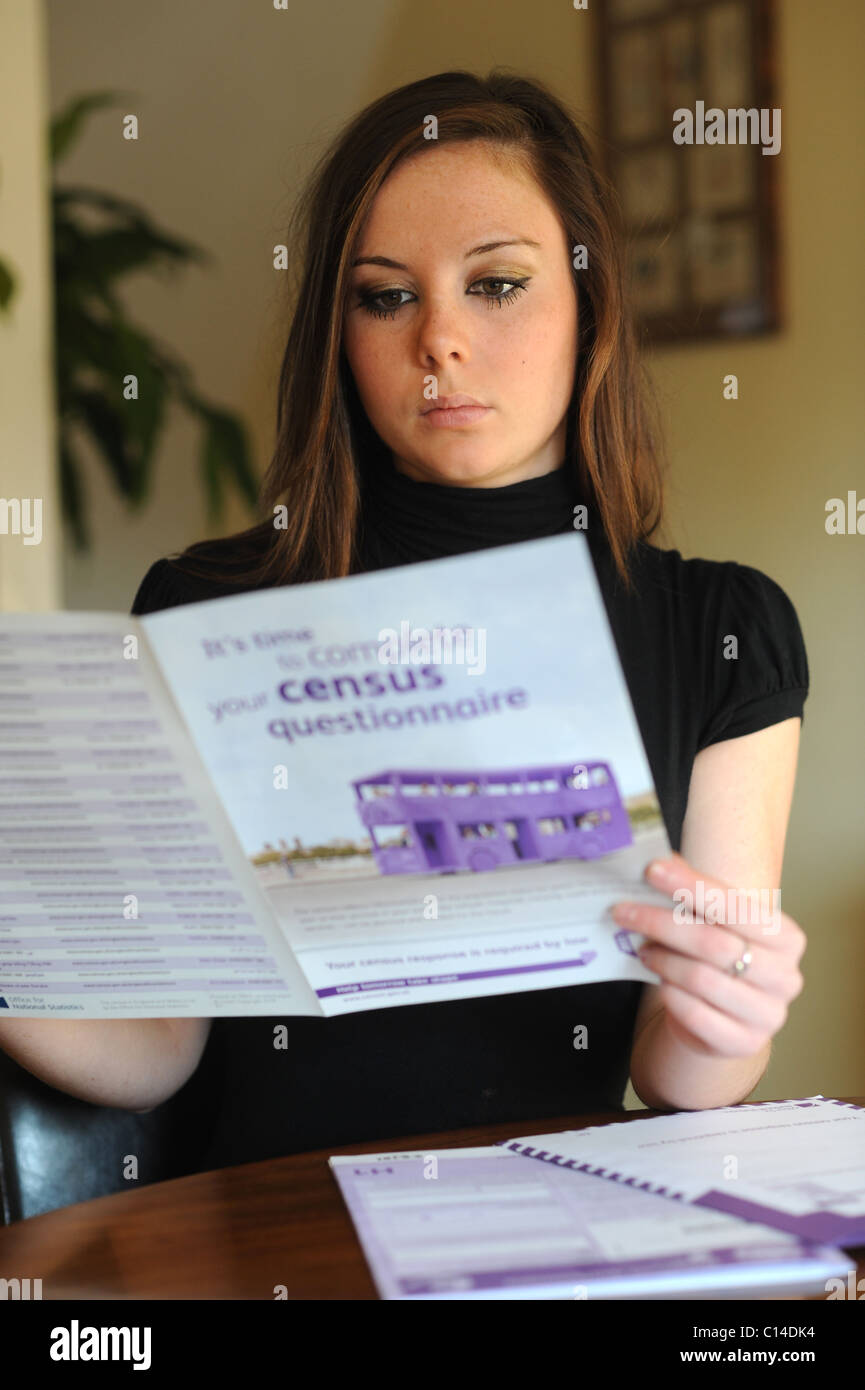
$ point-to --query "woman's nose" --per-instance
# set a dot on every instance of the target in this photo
(443, 333)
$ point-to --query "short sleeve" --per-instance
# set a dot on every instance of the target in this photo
(166, 586)
(154, 591)
(763, 677)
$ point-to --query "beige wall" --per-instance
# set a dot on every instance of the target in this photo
(236, 100)
(30, 573)
(751, 481)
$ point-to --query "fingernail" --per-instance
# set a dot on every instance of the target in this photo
(660, 871)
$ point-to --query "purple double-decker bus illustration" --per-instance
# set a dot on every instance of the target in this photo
(422, 821)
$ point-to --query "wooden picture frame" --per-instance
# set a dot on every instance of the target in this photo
(701, 219)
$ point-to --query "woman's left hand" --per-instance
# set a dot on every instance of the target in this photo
(710, 1009)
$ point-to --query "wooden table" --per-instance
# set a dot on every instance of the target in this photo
(235, 1233)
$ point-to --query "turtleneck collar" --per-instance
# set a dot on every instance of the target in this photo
(405, 520)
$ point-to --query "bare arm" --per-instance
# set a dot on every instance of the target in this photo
(735, 828)
(131, 1063)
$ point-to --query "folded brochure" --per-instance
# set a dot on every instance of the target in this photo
(420, 784)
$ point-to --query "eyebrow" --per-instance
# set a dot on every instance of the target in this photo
(475, 251)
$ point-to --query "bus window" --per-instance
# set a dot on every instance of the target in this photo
(587, 821)
(577, 781)
(477, 830)
(390, 836)
(551, 825)
(599, 777)
(497, 788)
(369, 791)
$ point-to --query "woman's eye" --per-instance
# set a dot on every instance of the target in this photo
(370, 302)
(502, 298)
(377, 305)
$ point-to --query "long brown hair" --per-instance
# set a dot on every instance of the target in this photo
(325, 443)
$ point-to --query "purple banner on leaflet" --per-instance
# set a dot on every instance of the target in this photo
(821, 1227)
(407, 980)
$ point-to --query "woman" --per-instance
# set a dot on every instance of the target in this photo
(458, 375)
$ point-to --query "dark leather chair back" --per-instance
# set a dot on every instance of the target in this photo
(56, 1150)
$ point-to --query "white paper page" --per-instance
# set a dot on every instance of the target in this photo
(483, 1223)
(799, 1159)
(123, 891)
(508, 932)
(477, 880)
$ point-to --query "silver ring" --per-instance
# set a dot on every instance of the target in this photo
(741, 965)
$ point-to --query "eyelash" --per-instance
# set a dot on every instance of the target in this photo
(367, 301)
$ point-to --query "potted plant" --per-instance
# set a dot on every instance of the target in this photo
(113, 379)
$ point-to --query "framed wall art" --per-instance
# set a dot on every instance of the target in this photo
(692, 143)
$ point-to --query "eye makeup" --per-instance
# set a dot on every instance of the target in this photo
(367, 299)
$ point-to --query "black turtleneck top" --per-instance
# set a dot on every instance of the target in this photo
(428, 1067)
(405, 521)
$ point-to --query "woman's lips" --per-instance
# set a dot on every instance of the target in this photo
(455, 416)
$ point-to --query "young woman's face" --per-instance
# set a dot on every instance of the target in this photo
(497, 325)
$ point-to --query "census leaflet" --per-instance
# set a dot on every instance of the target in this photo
(421, 784)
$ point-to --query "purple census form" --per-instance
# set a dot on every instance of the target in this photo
(800, 1164)
(485, 1223)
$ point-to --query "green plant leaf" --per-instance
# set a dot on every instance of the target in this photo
(133, 243)
(71, 494)
(98, 348)
(8, 283)
(106, 422)
(98, 356)
(145, 415)
(224, 455)
(66, 127)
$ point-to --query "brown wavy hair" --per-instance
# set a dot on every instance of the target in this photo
(325, 443)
